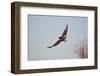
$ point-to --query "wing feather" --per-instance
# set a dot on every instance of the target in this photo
(55, 44)
(65, 31)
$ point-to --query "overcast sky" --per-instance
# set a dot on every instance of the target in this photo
(45, 30)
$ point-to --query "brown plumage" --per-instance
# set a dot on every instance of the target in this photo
(61, 38)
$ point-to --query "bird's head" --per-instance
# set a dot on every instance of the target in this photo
(60, 37)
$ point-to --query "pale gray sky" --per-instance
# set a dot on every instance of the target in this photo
(45, 30)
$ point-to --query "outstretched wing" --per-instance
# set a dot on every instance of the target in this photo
(55, 44)
(65, 31)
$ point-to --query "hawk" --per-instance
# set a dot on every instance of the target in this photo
(62, 38)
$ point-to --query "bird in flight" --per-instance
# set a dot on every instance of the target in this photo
(61, 38)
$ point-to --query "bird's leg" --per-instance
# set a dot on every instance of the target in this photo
(65, 40)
